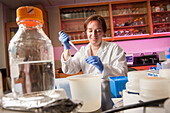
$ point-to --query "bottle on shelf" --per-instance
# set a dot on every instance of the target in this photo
(153, 8)
(155, 29)
(129, 11)
(140, 21)
(168, 7)
(31, 56)
(157, 9)
(164, 18)
(130, 31)
(158, 19)
(166, 64)
(115, 33)
(161, 7)
(135, 22)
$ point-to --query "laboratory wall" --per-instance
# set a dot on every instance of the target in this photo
(2, 39)
(129, 46)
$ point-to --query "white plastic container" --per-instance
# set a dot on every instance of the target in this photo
(166, 64)
(86, 88)
(133, 80)
(165, 73)
(153, 88)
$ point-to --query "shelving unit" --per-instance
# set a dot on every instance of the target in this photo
(126, 20)
(130, 20)
(72, 20)
(160, 17)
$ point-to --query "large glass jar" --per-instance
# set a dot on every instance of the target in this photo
(31, 56)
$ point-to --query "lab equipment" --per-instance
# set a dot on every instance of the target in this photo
(166, 64)
(95, 60)
(117, 85)
(134, 77)
(153, 88)
(31, 56)
(86, 88)
(64, 38)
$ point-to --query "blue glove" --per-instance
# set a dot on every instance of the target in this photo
(95, 60)
(64, 38)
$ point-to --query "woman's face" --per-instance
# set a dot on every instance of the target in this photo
(94, 33)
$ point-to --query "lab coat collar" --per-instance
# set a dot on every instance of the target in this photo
(102, 48)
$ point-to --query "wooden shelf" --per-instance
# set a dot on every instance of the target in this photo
(161, 34)
(116, 38)
(75, 19)
(161, 23)
(74, 31)
(135, 26)
(123, 15)
(160, 12)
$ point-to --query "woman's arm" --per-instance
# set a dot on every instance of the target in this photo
(66, 54)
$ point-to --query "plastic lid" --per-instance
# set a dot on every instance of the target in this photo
(168, 56)
(29, 13)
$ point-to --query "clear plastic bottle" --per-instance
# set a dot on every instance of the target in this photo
(166, 64)
(31, 56)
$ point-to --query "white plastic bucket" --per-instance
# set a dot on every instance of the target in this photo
(153, 88)
(133, 80)
(87, 88)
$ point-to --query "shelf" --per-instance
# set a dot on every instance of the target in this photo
(125, 27)
(161, 34)
(160, 12)
(136, 14)
(75, 19)
(161, 23)
(131, 37)
(74, 31)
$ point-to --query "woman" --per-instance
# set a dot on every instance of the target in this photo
(96, 57)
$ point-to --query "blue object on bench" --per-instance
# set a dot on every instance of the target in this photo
(117, 84)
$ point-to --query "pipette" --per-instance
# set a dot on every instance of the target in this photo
(70, 42)
(73, 45)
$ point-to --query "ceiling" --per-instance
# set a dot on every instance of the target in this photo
(13, 4)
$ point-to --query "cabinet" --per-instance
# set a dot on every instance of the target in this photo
(72, 19)
(130, 20)
(160, 12)
(125, 20)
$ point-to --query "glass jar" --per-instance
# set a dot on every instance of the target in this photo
(140, 21)
(31, 56)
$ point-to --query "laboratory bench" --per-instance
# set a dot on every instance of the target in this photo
(60, 74)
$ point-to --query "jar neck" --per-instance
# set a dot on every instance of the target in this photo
(30, 24)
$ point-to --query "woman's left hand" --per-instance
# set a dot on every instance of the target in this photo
(95, 60)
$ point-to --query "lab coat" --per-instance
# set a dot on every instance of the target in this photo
(113, 59)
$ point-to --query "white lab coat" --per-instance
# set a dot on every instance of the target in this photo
(113, 59)
(111, 55)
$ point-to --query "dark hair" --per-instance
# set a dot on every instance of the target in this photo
(98, 18)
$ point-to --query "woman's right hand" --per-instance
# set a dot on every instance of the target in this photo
(64, 38)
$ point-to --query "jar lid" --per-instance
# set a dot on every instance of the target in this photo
(29, 13)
